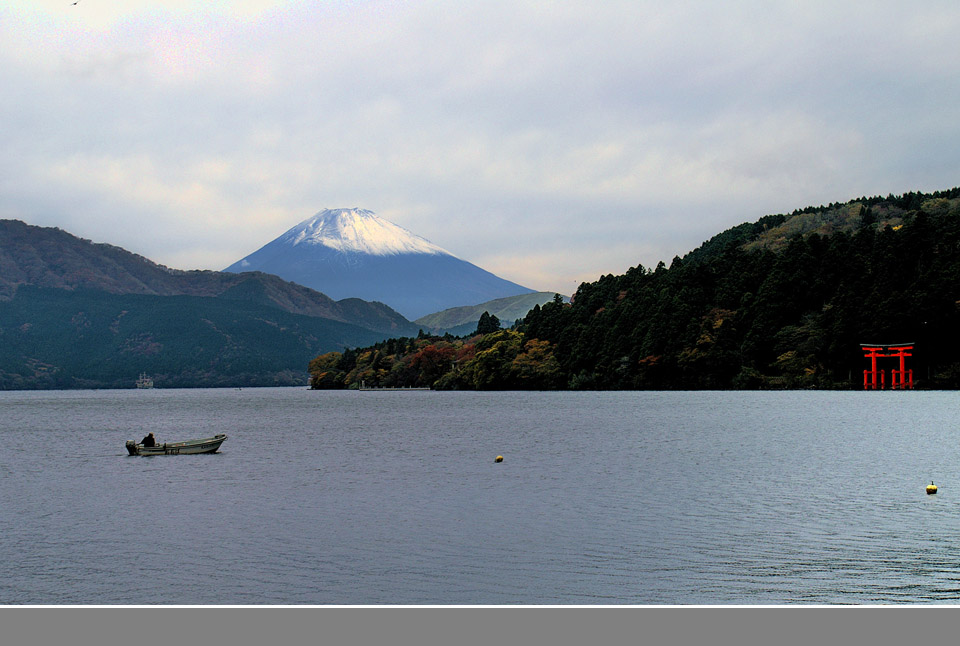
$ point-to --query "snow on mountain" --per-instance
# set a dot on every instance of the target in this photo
(359, 231)
(353, 253)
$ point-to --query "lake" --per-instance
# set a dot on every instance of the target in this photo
(395, 498)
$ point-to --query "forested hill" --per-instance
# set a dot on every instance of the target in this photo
(783, 302)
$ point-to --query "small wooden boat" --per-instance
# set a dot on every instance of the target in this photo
(206, 445)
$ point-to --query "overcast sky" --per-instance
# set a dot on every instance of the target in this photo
(548, 142)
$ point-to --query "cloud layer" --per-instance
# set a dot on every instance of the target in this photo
(547, 142)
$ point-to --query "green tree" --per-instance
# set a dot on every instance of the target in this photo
(488, 323)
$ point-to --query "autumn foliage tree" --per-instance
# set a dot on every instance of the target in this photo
(500, 360)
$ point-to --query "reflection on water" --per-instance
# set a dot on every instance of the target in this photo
(395, 498)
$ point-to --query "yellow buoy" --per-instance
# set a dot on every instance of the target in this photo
(931, 488)
(499, 458)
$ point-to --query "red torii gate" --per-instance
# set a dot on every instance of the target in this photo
(899, 379)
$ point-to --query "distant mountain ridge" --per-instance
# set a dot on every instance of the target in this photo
(354, 253)
(463, 320)
(51, 257)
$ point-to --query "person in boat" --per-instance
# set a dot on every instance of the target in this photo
(148, 440)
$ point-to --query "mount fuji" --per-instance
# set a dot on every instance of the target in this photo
(353, 253)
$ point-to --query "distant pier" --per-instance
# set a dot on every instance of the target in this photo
(364, 386)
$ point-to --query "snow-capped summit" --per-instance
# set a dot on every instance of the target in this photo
(358, 230)
(353, 253)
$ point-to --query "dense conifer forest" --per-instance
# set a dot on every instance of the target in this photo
(784, 302)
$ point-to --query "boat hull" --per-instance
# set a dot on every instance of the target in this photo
(189, 447)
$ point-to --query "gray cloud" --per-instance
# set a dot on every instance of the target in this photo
(548, 142)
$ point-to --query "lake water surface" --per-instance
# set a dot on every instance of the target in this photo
(395, 498)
